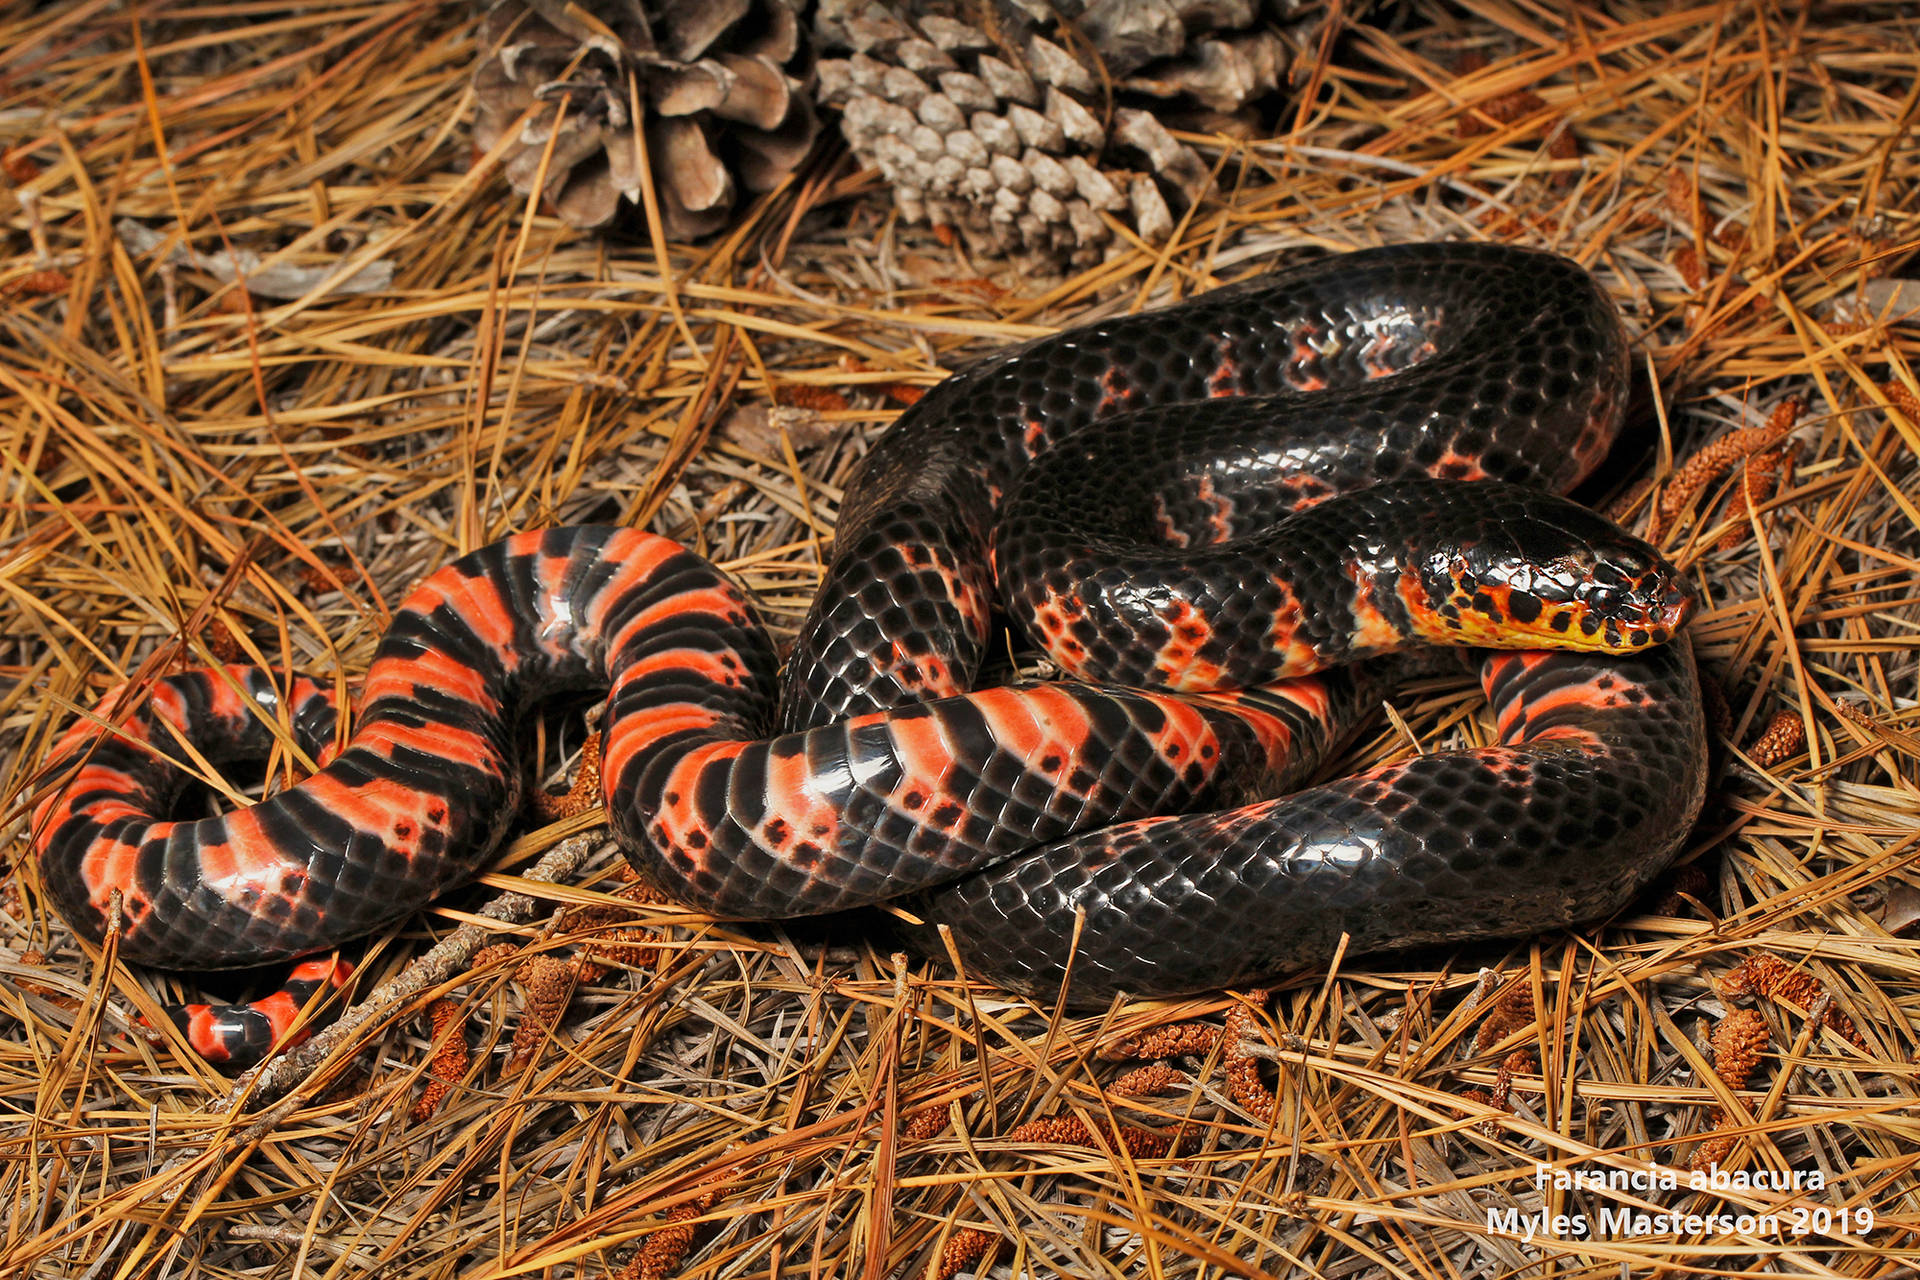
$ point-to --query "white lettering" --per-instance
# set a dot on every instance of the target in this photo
(1714, 1178)
(1604, 1179)
(1618, 1220)
(1510, 1222)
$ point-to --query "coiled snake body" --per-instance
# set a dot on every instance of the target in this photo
(1218, 500)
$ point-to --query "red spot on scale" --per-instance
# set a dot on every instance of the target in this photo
(1224, 380)
(1457, 466)
(376, 808)
(248, 866)
(677, 819)
(1115, 394)
(926, 674)
(967, 597)
(920, 745)
(1052, 622)
(795, 801)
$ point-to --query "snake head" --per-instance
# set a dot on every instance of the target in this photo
(1544, 573)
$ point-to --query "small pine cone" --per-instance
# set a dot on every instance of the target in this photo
(716, 106)
(1784, 738)
(1071, 1131)
(549, 986)
(1902, 399)
(1765, 974)
(1738, 1041)
(1176, 1040)
(1709, 1154)
(1509, 1013)
(964, 1249)
(451, 1059)
(1145, 1082)
(982, 118)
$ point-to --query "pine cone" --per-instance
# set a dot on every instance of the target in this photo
(989, 115)
(709, 81)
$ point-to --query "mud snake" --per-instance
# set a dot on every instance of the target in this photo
(1267, 481)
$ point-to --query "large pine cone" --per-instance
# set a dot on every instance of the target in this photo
(712, 92)
(981, 119)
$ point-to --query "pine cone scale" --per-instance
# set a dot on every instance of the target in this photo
(722, 111)
(991, 116)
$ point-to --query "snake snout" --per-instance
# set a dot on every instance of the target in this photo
(1631, 597)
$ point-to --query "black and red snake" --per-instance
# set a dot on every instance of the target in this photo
(1219, 500)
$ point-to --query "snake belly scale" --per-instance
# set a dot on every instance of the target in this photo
(1199, 513)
